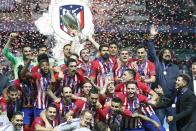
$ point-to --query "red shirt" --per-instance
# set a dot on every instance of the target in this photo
(42, 85)
(143, 88)
(28, 92)
(35, 69)
(109, 97)
(74, 82)
(3, 104)
(113, 58)
(63, 109)
(100, 70)
(120, 69)
(146, 69)
(105, 113)
(84, 68)
(135, 103)
(40, 122)
(81, 105)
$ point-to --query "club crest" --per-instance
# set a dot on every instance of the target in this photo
(76, 14)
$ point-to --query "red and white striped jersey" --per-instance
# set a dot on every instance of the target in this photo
(74, 82)
(143, 88)
(28, 90)
(39, 121)
(145, 68)
(42, 85)
(63, 109)
(140, 103)
(120, 69)
(84, 68)
(101, 71)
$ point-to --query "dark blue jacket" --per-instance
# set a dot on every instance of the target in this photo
(167, 82)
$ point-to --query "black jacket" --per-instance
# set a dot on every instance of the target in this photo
(191, 86)
(186, 112)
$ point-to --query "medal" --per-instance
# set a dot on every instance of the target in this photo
(173, 105)
(165, 72)
(165, 69)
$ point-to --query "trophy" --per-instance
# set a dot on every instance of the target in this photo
(71, 22)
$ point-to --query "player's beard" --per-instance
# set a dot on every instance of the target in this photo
(117, 112)
(105, 56)
(68, 100)
(167, 59)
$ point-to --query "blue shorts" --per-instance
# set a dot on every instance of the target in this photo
(37, 112)
(28, 113)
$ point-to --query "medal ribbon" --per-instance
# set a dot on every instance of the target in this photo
(107, 66)
(133, 104)
(141, 68)
(165, 67)
(46, 81)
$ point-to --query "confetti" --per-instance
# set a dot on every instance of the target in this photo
(124, 22)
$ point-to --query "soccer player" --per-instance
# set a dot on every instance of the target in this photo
(12, 103)
(16, 61)
(144, 67)
(103, 67)
(39, 124)
(71, 77)
(120, 119)
(42, 79)
(84, 62)
(28, 95)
